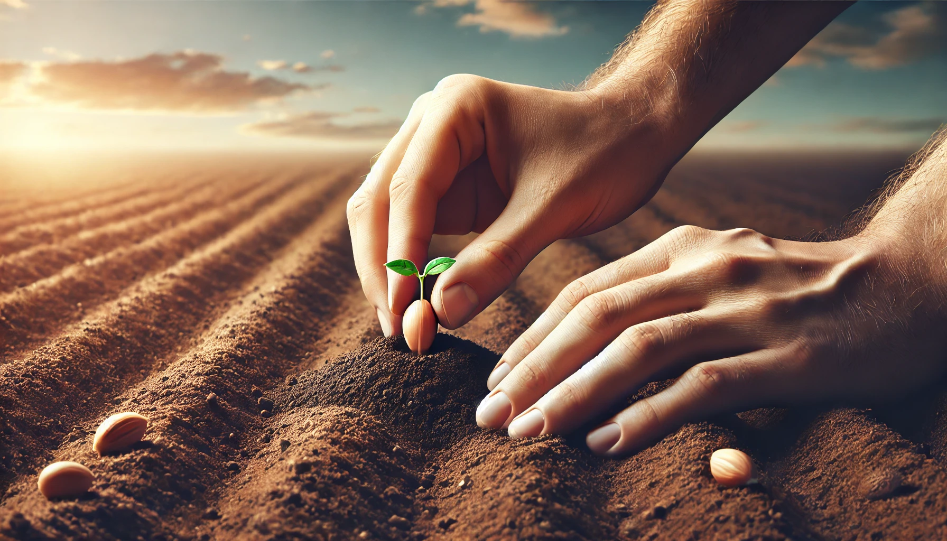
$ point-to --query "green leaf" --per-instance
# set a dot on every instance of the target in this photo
(438, 265)
(403, 267)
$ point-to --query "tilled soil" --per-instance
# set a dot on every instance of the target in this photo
(222, 303)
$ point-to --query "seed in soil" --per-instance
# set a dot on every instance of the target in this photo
(420, 326)
(119, 431)
(731, 467)
(419, 322)
(212, 400)
(64, 480)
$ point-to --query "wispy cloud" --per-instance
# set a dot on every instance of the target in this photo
(908, 34)
(322, 125)
(9, 73)
(518, 19)
(327, 54)
(742, 126)
(15, 4)
(183, 82)
(60, 53)
(298, 67)
(883, 125)
(272, 65)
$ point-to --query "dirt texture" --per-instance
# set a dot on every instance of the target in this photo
(221, 302)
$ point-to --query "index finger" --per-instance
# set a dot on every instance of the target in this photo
(448, 139)
(368, 220)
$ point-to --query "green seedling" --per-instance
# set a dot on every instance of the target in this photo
(407, 268)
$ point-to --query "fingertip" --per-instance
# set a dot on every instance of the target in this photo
(604, 439)
(456, 304)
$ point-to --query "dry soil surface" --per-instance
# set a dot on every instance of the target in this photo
(221, 302)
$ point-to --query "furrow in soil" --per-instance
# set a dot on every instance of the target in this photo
(37, 262)
(123, 341)
(32, 314)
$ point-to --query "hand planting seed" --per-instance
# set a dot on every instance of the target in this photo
(118, 432)
(64, 480)
(730, 467)
(420, 325)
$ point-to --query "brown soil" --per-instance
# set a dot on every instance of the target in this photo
(203, 299)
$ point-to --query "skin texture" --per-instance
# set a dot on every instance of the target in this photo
(746, 319)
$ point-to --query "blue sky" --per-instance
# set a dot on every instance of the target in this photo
(108, 74)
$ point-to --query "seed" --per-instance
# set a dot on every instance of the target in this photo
(730, 467)
(119, 431)
(65, 479)
(420, 326)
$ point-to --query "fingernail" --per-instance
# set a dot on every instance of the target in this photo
(603, 438)
(497, 375)
(458, 301)
(494, 411)
(528, 425)
(383, 321)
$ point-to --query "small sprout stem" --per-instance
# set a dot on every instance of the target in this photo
(405, 267)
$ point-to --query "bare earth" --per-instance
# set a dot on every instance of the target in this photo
(200, 294)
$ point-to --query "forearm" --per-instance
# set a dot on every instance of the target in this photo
(692, 61)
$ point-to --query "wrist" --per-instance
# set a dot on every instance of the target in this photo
(648, 107)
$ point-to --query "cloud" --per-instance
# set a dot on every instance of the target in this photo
(182, 82)
(247, 37)
(367, 110)
(321, 125)
(908, 34)
(9, 73)
(273, 65)
(60, 53)
(742, 126)
(327, 54)
(15, 4)
(884, 125)
(519, 20)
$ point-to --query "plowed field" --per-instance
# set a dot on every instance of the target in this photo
(202, 297)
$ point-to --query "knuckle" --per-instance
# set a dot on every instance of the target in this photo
(457, 81)
(506, 258)
(599, 311)
(648, 414)
(421, 101)
(532, 379)
(570, 394)
(731, 267)
(573, 294)
(707, 380)
(399, 188)
(357, 204)
(641, 340)
(684, 233)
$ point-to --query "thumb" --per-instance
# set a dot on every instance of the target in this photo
(487, 267)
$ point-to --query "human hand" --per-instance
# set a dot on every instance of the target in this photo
(749, 320)
(524, 166)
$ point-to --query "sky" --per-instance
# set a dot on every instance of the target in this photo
(283, 75)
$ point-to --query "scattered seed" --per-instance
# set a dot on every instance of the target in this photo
(233, 466)
(64, 480)
(265, 413)
(265, 403)
(284, 444)
(730, 467)
(464, 482)
(119, 431)
(212, 400)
